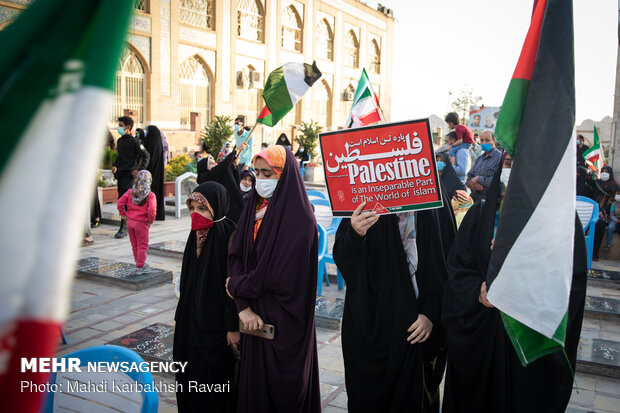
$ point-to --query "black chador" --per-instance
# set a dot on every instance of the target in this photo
(383, 371)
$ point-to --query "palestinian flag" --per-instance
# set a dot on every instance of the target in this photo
(285, 86)
(531, 268)
(594, 156)
(366, 108)
(56, 74)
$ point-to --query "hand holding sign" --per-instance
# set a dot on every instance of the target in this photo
(361, 221)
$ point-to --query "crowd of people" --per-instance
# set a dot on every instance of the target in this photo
(415, 303)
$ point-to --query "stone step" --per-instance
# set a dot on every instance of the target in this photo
(604, 279)
(121, 274)
(168, 249)
(602, 308)
(599, 357)
(328, 312)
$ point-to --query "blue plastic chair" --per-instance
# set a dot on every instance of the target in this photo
(587, 210)
(333, 227)
(315, 193)
(94, 401)
(326, 258)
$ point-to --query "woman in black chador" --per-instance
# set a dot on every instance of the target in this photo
(152, 143)
(483, 373)
(392, 340)
(206, 333)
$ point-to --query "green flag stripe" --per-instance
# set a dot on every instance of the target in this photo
(511, 114)
(530, 344)
(276, 95)
(37, 69)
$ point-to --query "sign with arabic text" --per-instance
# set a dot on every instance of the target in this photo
(391, 167)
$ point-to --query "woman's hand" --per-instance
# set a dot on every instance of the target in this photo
(420, 330)
(361, 221)
(233, 338)
(483, 296)
(250, 320)
(228, 292)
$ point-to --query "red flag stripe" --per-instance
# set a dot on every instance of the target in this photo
(264, 113)
(370, 118)
(525, 65)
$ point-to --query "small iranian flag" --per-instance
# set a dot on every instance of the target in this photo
(56, 75)
(594, 156)
(285, 86)
(531, 266)
(366, 109)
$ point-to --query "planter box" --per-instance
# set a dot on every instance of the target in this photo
(315, 174)
(109, 195)
(169, 188)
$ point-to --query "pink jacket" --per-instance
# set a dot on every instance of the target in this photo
(145, 212)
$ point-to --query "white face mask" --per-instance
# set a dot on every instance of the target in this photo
(604, 176)
(504, 176)
(265, 187)
(617, 198)
(244, 188)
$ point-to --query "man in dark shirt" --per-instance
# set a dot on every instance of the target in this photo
(132, 157)
(581, 148)
(480, 176)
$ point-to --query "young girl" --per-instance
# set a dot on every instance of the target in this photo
(206, 331)
(246, 184)
(141, 210)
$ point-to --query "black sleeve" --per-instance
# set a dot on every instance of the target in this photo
(347, 252)
(143, 154)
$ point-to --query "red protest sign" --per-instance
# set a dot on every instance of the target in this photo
(391, 167)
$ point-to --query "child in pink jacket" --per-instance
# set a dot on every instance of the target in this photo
(141, 209)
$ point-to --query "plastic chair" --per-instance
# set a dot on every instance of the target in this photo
(108, 401)
(587, 210)
(326, 258)
(333, 227)
(315, 193)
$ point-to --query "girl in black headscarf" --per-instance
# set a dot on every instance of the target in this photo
(206, 329)
(226, 174)
(152, 143)
(283, 140)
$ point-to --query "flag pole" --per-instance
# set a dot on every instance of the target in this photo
(250, 134)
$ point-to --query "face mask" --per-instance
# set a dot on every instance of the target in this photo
(578, 141)
(301, 149)
(265, 187)
(199, 222)
(504, 176)
(440, 165)
(604, 176)
(121, 131)
(617, 198)
(237, 127)
(244, 188)
(486, 147)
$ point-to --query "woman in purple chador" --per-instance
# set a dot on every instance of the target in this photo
(273, 276)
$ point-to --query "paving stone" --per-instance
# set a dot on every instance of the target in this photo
(171, 248)
(602, 308)
(340, 401)
(606, 403)
(608, 386)
(120, 274)
(599, 356)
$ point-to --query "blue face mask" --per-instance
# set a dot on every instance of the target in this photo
(237, 127)
(121, 131)
(486, 147)
(440, 165)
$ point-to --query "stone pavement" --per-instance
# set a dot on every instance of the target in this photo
(101, 313)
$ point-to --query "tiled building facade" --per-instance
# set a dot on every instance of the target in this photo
(212, 56)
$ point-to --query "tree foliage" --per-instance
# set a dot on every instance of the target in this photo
(309, 137)
(462, 103)
(217, 132)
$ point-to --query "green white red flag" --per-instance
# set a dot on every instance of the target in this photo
(531, 266)
(56, 74)
(285, 87)
(594, 156)
(366, 109)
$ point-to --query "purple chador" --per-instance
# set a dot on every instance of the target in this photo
(276, 275)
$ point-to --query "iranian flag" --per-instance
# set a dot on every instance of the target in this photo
(366, 109)
(56, 72)
(594, 156)
(285, 87)
(531, 265)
